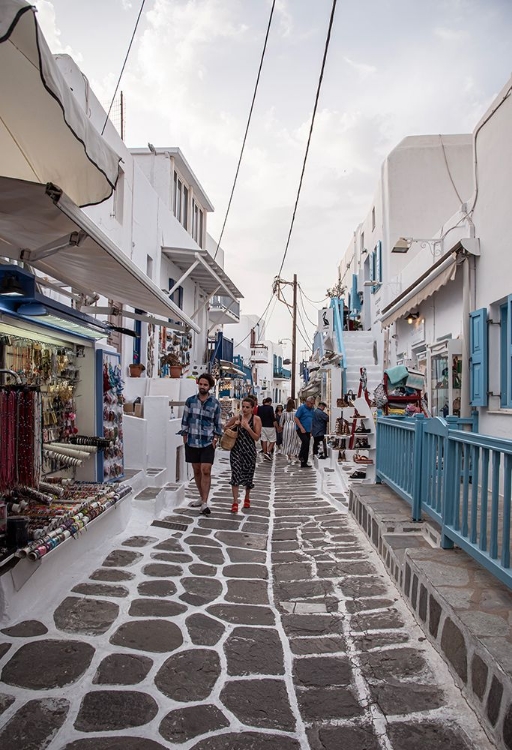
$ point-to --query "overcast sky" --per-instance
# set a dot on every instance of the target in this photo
(395, 68)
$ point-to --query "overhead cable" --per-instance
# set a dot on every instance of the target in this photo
(301, 297)
(246, 128)
(313, 301)
(327, 41)
(259, 320)
(124, 65)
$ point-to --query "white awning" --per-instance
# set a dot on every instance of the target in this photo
(421, 290)
(45, 136)
(199, 266)
(41, 226)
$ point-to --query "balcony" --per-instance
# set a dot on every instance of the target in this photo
(223, 310)
(259, 354)
(281, 373)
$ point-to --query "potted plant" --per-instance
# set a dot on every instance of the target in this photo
(172, 360)
(136, 369)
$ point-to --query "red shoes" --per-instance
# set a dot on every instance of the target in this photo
(247, 503)
(234, 508)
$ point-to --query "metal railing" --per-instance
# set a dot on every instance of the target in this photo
(461, 479)
(226, 304)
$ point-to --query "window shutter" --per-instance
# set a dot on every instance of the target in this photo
(478, 357)
(379, 262)
(508, 349)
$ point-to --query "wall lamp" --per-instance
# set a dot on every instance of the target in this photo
(403, 244)
(412, 317)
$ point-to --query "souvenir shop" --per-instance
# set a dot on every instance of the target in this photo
(61, 430)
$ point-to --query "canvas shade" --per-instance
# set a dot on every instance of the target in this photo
(36, 219)
(45, 135)
(430, 284)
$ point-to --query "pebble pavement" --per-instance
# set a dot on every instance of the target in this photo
(275, 629)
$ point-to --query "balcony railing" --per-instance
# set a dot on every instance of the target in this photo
(259, 354)
(282, 372)
(219, 303)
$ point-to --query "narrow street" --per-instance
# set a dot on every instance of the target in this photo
(276, 629)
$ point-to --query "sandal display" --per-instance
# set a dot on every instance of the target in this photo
(359, 459)
(358, 475)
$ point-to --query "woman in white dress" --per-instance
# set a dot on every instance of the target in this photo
(291, 442)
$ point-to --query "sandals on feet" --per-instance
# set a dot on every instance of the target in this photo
(234, 508)
(247, 503)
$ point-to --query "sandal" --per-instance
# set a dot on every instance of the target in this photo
(358, 475)
(234, 508)
(359, 459)
(247, 503)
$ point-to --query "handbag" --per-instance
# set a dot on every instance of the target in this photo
(341, 403)
(380, 396)
(228, 438)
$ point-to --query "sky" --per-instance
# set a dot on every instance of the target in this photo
(394, 68)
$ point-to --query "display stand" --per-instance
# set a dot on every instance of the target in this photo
(110, 415)
(400, 402)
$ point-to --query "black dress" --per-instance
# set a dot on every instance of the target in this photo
(243, 459)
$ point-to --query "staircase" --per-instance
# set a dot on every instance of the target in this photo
(359, 353)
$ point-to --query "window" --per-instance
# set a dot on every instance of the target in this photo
(177, 295)
(376, 267)
(149, 266)
(197, 223)
(180, 203)
(373, 219)
(361, 243)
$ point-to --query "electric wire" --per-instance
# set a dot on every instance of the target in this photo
(259, 320)
(246, 128)
(303, 325)
(304, 309)
(313, 301)
(320, 80)
(124, 65)
(302, 335)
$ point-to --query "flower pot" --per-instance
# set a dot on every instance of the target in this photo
(136, 370)
(175, 371)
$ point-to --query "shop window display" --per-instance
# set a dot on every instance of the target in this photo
(42, 446)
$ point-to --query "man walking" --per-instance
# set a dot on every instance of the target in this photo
(268, 428)
(201, 428)
(319, 428)
(303, 422)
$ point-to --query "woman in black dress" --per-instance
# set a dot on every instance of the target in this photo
(243, 453)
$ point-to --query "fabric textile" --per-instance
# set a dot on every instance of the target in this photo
(305, 438)
(317, 440)
(201, 421)
(204, 455)
(291, 443)
(243, 459)
(268, 434)
(267, 416)
(320, 421)
(305, 417)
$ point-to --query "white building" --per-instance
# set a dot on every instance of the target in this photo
(432, 267)
(270, 378)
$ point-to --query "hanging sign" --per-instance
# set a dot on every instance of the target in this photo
(325, 320)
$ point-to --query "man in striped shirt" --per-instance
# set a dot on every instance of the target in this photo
(201, 428)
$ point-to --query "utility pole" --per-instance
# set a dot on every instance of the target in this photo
(294, 334)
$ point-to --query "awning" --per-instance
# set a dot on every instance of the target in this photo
(229, 367)
(427, 285)
(45, 136)
(199, 266)
(45, 229)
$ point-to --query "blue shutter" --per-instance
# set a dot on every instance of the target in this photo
(508, 350)
(373, 270)
(478, 357)
(378, 275)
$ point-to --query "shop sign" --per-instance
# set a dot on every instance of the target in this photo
(325, 320)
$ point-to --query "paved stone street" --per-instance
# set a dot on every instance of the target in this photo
(276, 629)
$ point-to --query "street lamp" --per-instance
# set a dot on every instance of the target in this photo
(403, 244)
